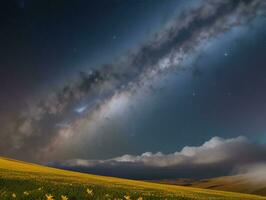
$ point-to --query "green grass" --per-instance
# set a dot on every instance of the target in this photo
(20, 180)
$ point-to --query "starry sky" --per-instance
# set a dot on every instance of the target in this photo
(135, 84)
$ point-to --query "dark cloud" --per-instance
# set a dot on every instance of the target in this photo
(37, 126)
(215, 157)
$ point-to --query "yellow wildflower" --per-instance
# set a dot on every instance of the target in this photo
(14, 195)
(64, 197)
(140, 198)
(90, 192)
(49, 197)
(127, 197)
(26, 193)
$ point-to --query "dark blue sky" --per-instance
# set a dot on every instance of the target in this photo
(51, 39)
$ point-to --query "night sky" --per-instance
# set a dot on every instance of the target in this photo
(134, 88)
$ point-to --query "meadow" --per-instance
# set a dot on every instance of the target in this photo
(21, 180)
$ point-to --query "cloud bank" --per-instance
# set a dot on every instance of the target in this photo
(215, 157)
(48, 123)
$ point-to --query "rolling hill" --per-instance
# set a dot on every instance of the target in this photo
(236, 183)
(21, 180)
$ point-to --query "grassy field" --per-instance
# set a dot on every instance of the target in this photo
(20, 180)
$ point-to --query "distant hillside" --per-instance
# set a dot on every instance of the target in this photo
(237, 183)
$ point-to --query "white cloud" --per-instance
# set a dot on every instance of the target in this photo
(215, 156)
(215, 150)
